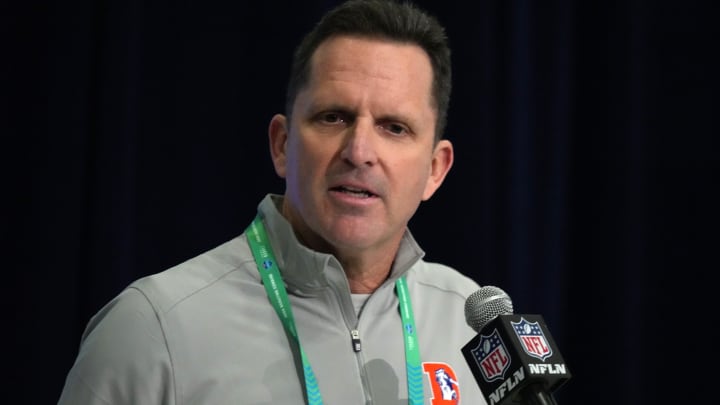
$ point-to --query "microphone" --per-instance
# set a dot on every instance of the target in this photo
(514, 358)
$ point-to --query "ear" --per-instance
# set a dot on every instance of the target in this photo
(277, 135)
(442, 161)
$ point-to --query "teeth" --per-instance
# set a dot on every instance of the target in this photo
(357, 191)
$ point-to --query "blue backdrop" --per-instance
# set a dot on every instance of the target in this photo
(585, 179)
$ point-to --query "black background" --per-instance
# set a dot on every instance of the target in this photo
(134, 137)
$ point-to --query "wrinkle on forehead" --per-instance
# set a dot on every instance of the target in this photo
(387, 72)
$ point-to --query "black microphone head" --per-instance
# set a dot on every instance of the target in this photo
(484, 305)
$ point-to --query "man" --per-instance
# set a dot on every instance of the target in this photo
(325, 298)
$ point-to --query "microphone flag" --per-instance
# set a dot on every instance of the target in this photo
(514, 351)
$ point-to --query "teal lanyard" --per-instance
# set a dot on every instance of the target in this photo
(275, 288)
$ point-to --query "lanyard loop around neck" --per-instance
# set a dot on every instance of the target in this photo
(275, 289)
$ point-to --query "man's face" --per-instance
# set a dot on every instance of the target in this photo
(359, 154)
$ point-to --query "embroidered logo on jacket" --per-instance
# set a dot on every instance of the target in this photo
(444, 383)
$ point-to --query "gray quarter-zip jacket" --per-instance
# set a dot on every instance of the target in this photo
(204, 332)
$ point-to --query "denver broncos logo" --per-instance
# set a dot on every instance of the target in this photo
(444, 384)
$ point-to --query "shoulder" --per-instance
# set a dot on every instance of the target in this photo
(148, 300)
(122, 351)
(206, 271)
(442, 279)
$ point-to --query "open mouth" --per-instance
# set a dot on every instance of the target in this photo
(356, 192)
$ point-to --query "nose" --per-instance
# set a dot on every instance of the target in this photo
(360, 145)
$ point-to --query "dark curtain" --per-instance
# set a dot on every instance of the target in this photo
(134, 138)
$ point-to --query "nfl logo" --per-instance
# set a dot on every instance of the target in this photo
(532, 339)
(491, 356)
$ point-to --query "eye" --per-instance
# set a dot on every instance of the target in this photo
(331, 118)
(395, 129)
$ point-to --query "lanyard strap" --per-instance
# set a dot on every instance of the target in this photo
(275, 288)
(412, 351)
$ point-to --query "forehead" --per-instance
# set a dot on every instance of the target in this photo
(372, 67)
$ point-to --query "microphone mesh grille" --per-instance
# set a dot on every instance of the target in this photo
(484, 305)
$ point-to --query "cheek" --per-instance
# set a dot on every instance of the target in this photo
(305, 160)
(414, 171)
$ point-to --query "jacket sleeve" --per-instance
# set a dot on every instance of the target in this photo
(123, 357)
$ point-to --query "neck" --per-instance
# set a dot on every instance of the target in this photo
(364, 278)
(365, 269)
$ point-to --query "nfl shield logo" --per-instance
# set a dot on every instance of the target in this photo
(491, 356)
(532, 339)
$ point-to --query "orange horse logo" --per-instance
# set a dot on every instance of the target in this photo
(444, 383)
